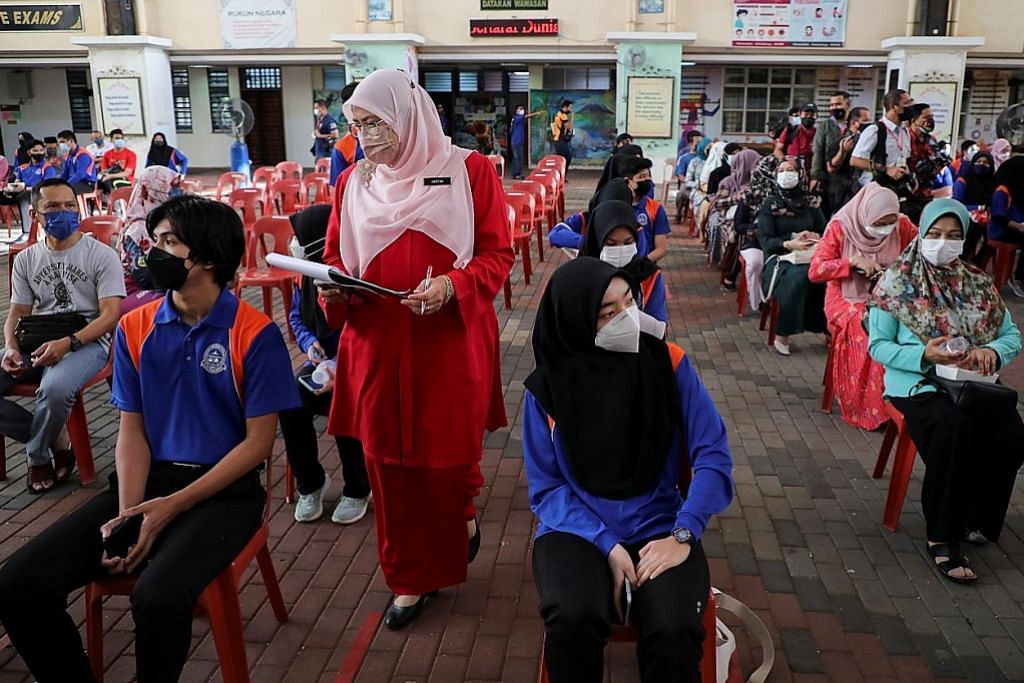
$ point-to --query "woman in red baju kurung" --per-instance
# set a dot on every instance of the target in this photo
(418, 379)
(864, 238)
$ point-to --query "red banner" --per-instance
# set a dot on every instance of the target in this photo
(496, 28)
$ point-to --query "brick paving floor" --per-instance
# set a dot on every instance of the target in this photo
(844, 599)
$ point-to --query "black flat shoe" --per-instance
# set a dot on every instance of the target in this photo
(474, 542)
(399, 617)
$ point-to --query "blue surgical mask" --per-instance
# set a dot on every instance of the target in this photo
(119, 144)
(64, 147)
(99, 142)
(60, 225)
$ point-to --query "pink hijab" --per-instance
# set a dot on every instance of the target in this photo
(866, 207)
(376, 213)
(153, 187)
(1000, 151)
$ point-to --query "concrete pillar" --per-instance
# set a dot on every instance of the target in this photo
(656, 56)
(367, 52)
(931, 69)
(115, 63)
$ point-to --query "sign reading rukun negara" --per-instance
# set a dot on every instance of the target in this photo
(513, 4)
(40, 17)
(497, 28)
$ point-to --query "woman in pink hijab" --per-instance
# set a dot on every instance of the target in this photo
(418, 379)
(1000, 151)
(864, 238)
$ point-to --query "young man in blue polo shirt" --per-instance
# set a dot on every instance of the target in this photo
(325, 132)
(79, 169)
(199, 378)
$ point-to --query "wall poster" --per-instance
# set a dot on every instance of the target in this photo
(789, 23)
(649, 106)
(121, 104)
(942, 98)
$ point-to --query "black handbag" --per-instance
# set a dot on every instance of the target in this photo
(35, 330)
(980, 399)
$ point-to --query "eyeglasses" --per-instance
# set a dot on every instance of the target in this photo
(371, 129)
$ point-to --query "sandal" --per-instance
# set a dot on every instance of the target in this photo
(63, 459)
(40, 474)
(954, 560)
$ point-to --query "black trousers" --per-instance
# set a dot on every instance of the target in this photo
(83, 187)
(575, 586)
(564, 149)
(300, 443)
(970, 465)
(193, 549)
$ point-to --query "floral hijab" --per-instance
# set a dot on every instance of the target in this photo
(955, 300)
(156, 184)
(794, 201)
(762, 182)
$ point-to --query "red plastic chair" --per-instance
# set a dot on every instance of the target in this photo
(227, 183)
(289, 170)
(78, 425)
(554, 159)
(7, 214)
(219, 601)
(511, 233)
(83, 203)
(122, 195)
(316, 189)
(902, 465)
(269, 278)
(630, 634)
(263, 178)
(248, 200)
(542, 209)
(193, 185)
(770, 314)
(524, 205)
(104, 228)
(498, 161)
(285, 197)
(741, 288)
(323, 165)
(17, 247)
(552, 179)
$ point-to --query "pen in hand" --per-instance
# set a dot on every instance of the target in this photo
(426, 285)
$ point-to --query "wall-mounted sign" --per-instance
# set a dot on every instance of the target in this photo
(789, 23)
(257, 24)
(650, 103)
(652, 6)
(942, 98)
(40, 17)
(513, 4)
(121, 104)
(496, 28)
(380, 10)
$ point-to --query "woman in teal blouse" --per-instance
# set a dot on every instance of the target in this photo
(927, 297)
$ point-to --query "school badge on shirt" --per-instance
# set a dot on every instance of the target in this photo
(214, 359)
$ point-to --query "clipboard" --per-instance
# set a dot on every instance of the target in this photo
(331, 275)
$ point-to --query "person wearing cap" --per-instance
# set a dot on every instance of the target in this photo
(562, 131)
(799, 142)
(650, 214)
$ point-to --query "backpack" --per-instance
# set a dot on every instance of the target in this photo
(903, 187)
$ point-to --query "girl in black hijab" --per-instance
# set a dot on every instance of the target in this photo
(613, 238)
(974, 189)
(21, 155)
(319, 342)
(613, 417)
(569, 233)
(611, 167)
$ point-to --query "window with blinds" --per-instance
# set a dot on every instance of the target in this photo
(217, 85)
(261, 78)
(78, 100)
(182, 100)
(437, 81)
(754, 95)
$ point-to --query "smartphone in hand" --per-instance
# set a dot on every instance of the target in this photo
(123, 537)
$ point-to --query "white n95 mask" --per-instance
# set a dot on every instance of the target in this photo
(618, 256)
(314, 248)
(652, 326)
(621, 333)
(941, 252)
(880, 230)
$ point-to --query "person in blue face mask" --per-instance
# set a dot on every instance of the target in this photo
(79, 169)
(64, 273)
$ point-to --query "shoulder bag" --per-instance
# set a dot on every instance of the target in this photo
(35, 330)
(979, 399)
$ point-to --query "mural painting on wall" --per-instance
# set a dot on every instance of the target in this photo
(699, 102)
(594, 124)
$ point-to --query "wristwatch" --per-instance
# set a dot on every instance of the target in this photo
(76, 343)
(682, 535)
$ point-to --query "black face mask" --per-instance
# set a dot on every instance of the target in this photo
(159, 143)
(906, 114)
(37, 157)
(928, 126)
(981, 170)
(838, 114)
(166, 270)
(643, 187)
(807, 121)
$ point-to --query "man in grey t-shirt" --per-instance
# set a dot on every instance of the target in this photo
(66, 272)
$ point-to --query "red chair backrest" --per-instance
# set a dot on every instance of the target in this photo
(286, 197)
(121, 194)
(550, 182)
(264, 177)
(229, 181)
(279, 228)
(524, 205)
(320, 183)
(323, 165)
(537, 189)
(193, 185)
(289, 170)
(103, 228)
(248, 199)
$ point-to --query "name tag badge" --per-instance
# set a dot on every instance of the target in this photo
(437, 180)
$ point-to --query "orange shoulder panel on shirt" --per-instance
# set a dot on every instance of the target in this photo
(347, 147)
(248, 324)
(647, 286)
(136, 326)
(676, 353)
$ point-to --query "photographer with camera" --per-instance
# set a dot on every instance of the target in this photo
(929, 169)
(883, 149)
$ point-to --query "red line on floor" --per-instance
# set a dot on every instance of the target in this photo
(357, 653)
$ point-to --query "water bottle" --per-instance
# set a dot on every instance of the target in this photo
(956, 345)
(321, 375)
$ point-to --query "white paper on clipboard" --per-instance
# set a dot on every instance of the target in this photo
(329, 274)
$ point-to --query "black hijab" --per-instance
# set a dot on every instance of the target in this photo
(606, 217)
(979, 189)
(1011, 174)
(611, 167)
(310, 226)
(616, 412)
(24, 143)
(617, 189)
(159, 156)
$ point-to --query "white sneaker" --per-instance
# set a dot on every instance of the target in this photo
(310, 507)
(783, 349)
(350, 510)
(1016, 288)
